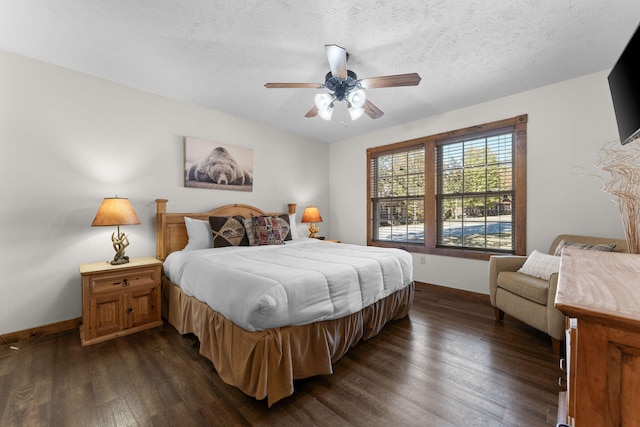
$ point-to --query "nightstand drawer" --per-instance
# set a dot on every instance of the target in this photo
(110, 281)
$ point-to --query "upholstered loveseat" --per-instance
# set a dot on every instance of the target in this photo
(531, 299)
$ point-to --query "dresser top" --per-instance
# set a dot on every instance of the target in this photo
(603, 286)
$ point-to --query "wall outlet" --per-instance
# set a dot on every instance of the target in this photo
(423, 260)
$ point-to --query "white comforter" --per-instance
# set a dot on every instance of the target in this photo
(301, 282)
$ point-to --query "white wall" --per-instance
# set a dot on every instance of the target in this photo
(568, 123)
(67, 140)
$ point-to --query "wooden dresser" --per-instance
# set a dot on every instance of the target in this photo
(119, 300)
(600, 292)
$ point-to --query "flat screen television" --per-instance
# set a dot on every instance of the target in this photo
(624, 83)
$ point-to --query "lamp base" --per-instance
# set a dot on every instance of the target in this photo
(313, 230)
(120, 242)
(120, 260)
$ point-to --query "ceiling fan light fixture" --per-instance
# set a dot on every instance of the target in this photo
(356, 112)
(357, 98)
(324, 104)
(323, 101)
(326, 113)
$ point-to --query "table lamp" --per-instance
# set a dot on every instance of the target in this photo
(117, 211)
(312, 215)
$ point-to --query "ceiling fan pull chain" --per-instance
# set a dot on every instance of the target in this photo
(345, 121)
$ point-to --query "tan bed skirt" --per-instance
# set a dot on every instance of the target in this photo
(265, 363)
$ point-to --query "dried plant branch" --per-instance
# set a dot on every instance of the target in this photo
(622, 165)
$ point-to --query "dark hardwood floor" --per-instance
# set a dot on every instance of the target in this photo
(448, 364)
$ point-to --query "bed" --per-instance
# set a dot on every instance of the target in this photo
(264, 356)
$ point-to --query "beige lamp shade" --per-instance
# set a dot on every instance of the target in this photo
(311, 214)
(115, 211)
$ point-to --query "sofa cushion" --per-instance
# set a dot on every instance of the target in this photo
(528, 287)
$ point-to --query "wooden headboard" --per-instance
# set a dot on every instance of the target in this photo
(171, 232)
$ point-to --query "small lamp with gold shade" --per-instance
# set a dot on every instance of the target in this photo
(117, 211)
(312, 215)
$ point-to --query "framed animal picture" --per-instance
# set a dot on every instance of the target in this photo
(209, 164)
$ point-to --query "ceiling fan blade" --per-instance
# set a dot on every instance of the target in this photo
(371, 110)
(411, 79)
(294, 85)
(337, 57)
(313, 112)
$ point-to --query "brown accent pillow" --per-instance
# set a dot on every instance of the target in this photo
(285, 227)
(228, 231)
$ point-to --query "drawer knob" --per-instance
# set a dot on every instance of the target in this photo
(129, 310)
(124, 283)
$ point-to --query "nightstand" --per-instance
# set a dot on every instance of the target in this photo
(119, 300)
(326, 240)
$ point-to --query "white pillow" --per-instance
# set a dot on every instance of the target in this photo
(540, 265)
(294, 227)
(199, 232)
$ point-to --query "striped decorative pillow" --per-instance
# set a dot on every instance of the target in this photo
(587, 247)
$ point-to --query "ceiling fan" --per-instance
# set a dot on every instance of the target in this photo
(345, 86)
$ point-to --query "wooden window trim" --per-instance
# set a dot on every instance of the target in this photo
(519, 125)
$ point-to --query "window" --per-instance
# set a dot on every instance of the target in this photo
(475, 192)
(398, 190)
(459, 193)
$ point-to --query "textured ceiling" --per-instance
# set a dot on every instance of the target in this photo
(220, 53)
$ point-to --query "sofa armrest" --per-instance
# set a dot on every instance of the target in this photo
(555, 318)
(553, 288)
(498, 263)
